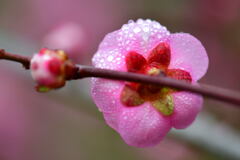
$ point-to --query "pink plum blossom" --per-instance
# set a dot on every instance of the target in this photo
(143, 114)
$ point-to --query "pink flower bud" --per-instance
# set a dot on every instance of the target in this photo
(48, 69)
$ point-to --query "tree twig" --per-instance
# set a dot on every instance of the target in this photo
(25, 61)
(213, 92)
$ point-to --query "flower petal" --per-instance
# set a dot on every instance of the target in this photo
(106, 94)
(187, 53)
(140, 36)
(135, 62)
(186, 107)
(142, 126)
(160, 55)
(112, 119)
(116, 45)
(109, 59)
(179, 74)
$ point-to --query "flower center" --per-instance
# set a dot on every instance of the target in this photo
(153, 71)
(135, 94)
(150, 92)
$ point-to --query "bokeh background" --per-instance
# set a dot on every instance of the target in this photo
(65, 124)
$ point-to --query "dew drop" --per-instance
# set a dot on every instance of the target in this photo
(136, 30)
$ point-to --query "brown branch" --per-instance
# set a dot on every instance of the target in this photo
(25, 61)
(88, 71)
(206, 90)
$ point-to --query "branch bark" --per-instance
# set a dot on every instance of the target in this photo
(82, 71)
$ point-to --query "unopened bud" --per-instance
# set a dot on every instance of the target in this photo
(49, 69)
